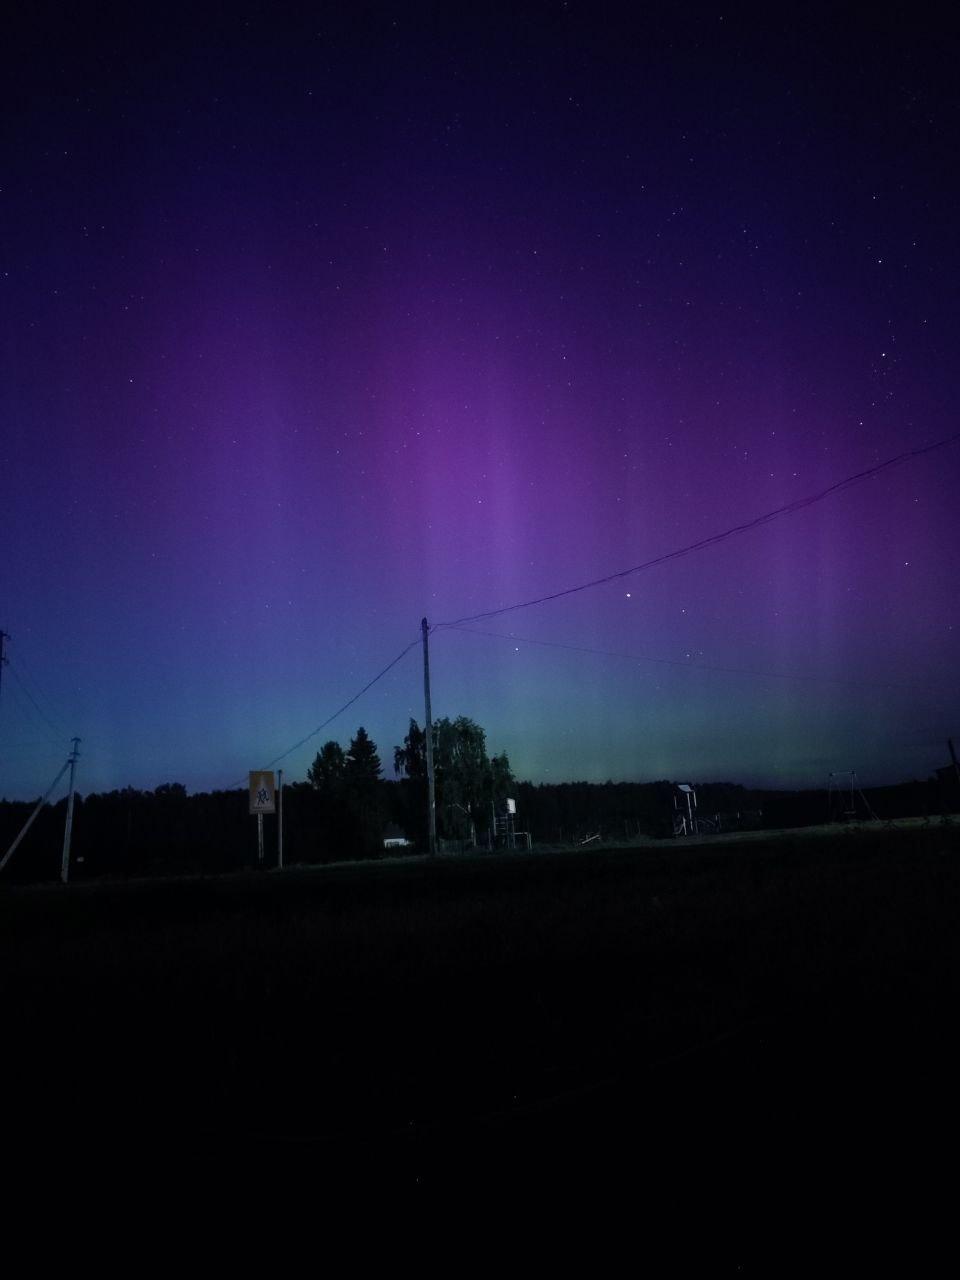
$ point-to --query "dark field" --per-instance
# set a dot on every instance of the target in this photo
(760, 1031)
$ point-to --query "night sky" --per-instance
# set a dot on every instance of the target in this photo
(316, 321)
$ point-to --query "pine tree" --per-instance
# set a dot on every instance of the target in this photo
(331, 813)
(362, 762)
(365, 793)
(410, 760)
(327, 771)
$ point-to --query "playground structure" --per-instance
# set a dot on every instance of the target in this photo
(686, 820)
(503, 834)
(845, 800)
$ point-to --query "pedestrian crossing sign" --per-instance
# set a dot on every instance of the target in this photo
(262, 791)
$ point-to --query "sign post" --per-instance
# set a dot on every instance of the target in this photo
(280, 820)
(262, 800)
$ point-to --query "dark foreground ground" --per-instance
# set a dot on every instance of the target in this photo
(754, 1043)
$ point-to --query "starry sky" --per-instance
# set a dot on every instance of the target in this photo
(317, 320)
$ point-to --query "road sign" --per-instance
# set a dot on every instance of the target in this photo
(262, 791)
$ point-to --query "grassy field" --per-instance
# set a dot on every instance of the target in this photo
(733, 1018)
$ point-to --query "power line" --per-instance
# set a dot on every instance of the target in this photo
(57, 728)
(697, 666)
(330, 719)
(788, 509)
(34, 714)
(25, 670)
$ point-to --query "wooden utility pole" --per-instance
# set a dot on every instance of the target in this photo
(428, 730)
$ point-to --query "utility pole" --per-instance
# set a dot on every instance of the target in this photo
(29, 822)
(428, 730)
(280, 820)
(68, 828)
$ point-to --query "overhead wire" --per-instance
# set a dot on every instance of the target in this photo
(26, 670)
(57, 728)
(695, 666)
(33, 714)
(339, 712)
(788, 508)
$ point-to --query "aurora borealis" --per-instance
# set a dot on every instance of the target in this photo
(318, 321)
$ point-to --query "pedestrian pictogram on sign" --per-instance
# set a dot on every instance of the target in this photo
(262, 792)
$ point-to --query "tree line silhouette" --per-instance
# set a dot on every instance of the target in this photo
(345, 807)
